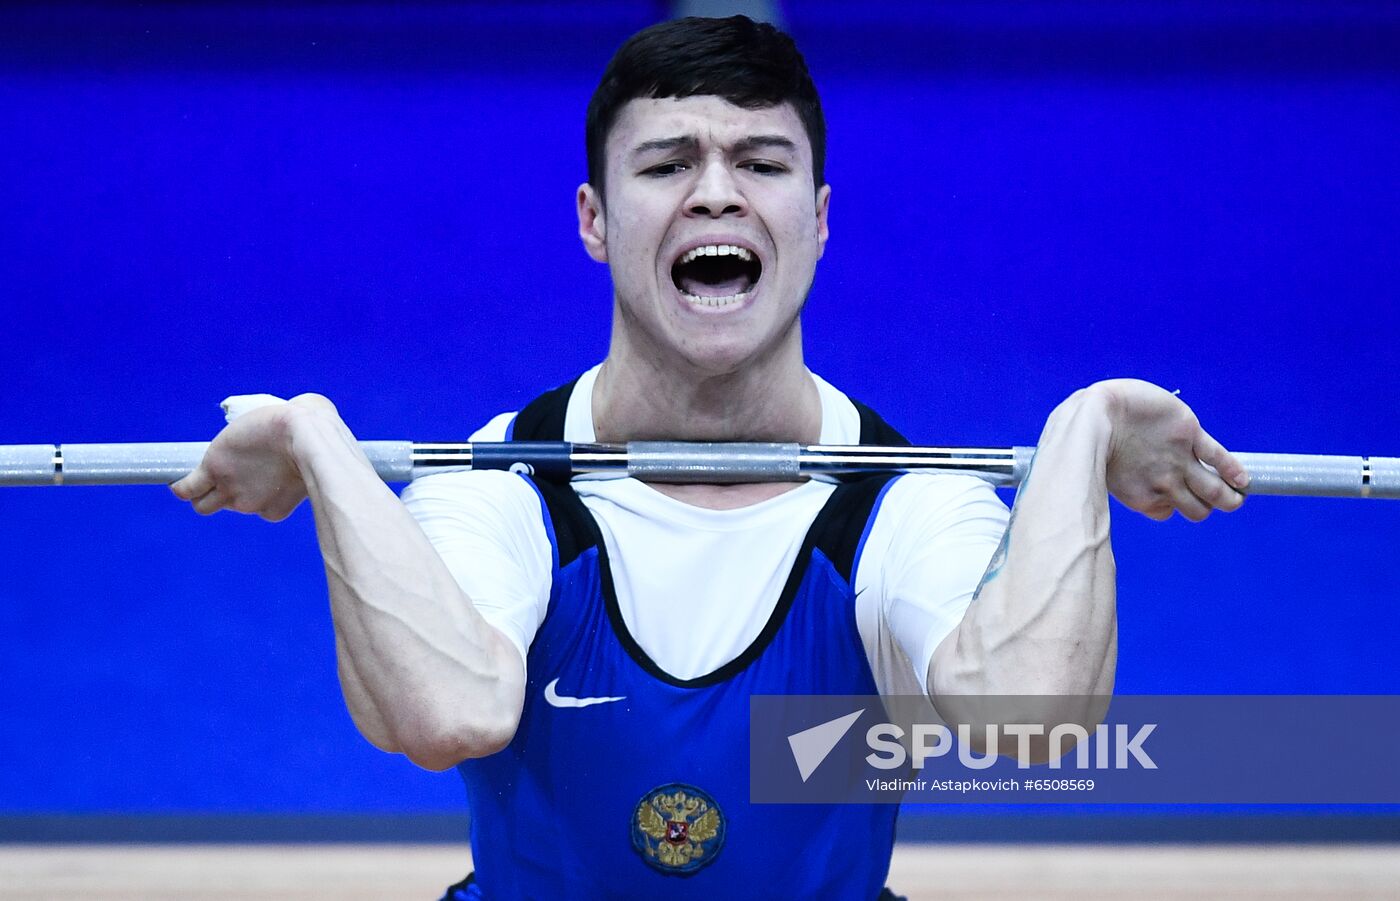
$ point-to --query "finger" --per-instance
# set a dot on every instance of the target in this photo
(1161, 512)
(1190, 506)
(212, 502)
(194, 485)
(1212, 490)
(1212, 453)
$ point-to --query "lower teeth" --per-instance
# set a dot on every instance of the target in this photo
(714, 301)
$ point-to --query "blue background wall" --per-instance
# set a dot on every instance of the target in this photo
(376, 204)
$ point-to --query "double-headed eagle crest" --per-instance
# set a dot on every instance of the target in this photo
(678, 829)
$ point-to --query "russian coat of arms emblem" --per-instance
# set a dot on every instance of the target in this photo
(677, 828)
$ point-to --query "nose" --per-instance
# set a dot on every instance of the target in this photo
(716, 193)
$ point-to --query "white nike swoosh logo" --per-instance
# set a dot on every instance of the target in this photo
(557, 700)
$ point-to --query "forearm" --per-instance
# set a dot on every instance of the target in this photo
(423, 673)
(1043, 620)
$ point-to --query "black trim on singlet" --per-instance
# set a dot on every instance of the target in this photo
(575, 530)
(836, 530)
(846, 512)
(542, 419)
(840, 516)
(874, 429)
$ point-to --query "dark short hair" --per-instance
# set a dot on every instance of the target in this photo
(750, 64)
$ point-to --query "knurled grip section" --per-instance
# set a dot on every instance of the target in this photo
(152, 463)
(130, 464)
(392, 460)
(1385, 477)
(1302, 475)
(673, 461)
(27, 464)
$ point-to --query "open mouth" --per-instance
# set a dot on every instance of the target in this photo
(716, 275)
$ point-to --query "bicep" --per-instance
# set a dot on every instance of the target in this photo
(489, 530)
(925, 556)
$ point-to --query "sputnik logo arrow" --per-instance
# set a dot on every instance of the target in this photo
(811, 746)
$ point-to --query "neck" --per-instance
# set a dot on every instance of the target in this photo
(771, 399)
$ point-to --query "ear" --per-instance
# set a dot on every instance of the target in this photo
(823, 204)
(592, 224)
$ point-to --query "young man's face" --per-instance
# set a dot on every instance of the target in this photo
(735, 183)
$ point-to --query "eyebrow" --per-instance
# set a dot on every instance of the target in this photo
(764, 142)
(666, 144)
(690, 143)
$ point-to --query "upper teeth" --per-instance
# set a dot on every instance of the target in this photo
(717, 250)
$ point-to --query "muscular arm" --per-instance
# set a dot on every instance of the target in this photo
(423, 673)
(1043, 620)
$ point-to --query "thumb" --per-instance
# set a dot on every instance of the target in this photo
(195, 485)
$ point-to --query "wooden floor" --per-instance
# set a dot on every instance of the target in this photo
(963, 872)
